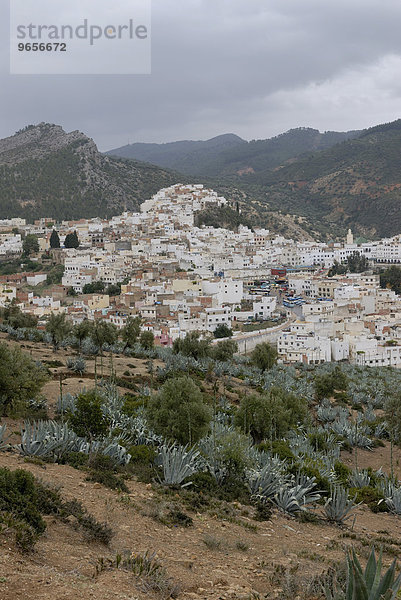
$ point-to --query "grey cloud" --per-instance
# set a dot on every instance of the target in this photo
(254, 67)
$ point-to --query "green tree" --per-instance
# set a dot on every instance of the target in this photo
(114, 289)
(178, 411)
(224, 350)
(103, 333)
(81, 331)
(192, 345)
(58, 327)
(392, 412)
(88, 420)
(71, 240)
(326, 385)
(54, 240)
(131, 330)
(21, 379)
(264, 356)
(55, 275)
(391, 279)
(357, 263)
(222, 331)
(13, 315)
(271, 415)
(97, 287)
(147, 340)
(337, 269)
(30, 245)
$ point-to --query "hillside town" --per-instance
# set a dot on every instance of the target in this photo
(181, 278)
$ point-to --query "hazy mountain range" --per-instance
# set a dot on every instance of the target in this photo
(229, 154)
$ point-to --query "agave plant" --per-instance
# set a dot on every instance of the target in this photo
(368, 584)
(339, 507)
(286, 501)
(35, 441)
(178, 463)
(49, 439)
(266, 483)
(77, 365)
(359, 479)
(118, 454)
(381, 430)
(394, 500)
(2, 436)
(297, 498)
(65, 404)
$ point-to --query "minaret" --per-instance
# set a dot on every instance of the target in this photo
(350, 238)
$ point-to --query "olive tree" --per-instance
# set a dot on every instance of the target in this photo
(178, 411)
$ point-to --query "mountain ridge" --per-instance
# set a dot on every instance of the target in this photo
(230, 155)
(356, 182)
(44, 170)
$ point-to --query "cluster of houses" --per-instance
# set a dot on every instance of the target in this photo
(180, 278)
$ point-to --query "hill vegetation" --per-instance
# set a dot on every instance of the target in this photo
(265, 475)
(229, 155)
(355, 183)
(221, 217)
(45, 171)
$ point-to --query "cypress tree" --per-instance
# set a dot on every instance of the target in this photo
(71, 240)
(54, 240)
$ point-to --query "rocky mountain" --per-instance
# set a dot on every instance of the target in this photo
(229, 155)
(46, 171)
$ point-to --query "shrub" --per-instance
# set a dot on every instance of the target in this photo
(153, 575)
(264, 356)
(263, 511)
(243, 546)
(76, 459)
(178, 411)
(133, 403)
(142, 463)
(222, 331)
(342, 472)
(108, 479)
(212, 542)
(370, 496)
(270, 415)
(21, 378)
(142, 454)
(23, 501)
(279, 447)
(88, 420)
(93, 530)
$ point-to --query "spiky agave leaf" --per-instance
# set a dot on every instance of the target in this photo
(178, 463)
(3, 429)
(339, 506)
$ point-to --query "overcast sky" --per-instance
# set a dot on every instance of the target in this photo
(251, 67)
